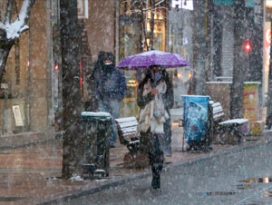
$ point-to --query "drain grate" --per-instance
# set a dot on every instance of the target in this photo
(219, 193)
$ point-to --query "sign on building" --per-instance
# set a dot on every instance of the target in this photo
(248, 3)
(17, 116)
(223, 2)
(83, 9)
(183, 4)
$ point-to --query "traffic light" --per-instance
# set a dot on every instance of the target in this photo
(247, 46)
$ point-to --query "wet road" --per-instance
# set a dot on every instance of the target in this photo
(241, 178)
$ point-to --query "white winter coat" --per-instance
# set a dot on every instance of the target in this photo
(153, 115)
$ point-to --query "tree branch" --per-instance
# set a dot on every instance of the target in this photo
(25, 11)
(15, 29)
(9, 9)
(11, 31)
(2, 26)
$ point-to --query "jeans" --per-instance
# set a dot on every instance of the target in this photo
(112, 107)
(150, 144)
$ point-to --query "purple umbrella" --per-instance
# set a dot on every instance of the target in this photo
(152, 58)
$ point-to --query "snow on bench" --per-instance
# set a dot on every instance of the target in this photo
(127, 130)
(236, 127)
(238, 121)
(95, 114)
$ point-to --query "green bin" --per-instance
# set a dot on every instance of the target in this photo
(97, 129)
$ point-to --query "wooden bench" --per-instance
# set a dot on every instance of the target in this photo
(127, 131)
(217, 112)
(226, 131)
(128, 135)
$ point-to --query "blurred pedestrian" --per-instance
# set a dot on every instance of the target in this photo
(168, 99)
(110, 85)
(153, 115)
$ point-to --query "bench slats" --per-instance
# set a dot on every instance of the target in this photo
(217, 109)
(127, 129)
(218, 112)
(216, 104)
(128, 124)
(238, 121)
(126, 119)
(219, 115)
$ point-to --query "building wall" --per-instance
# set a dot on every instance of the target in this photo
(101, 26)
(31, 91)
(39, 66)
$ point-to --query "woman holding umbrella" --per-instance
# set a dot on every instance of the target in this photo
(155, 98)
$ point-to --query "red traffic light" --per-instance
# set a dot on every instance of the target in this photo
(247, 46)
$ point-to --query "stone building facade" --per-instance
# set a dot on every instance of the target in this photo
(27, 79)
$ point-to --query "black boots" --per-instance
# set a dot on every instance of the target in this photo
(156, 179)
(156, 159)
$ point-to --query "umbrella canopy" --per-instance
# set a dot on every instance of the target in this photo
(152, 58)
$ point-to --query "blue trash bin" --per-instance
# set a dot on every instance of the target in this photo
(97, 129)
(195, 119)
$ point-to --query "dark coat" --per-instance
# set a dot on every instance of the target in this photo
(110, 82)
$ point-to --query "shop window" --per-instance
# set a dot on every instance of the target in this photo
(134, 37)
(159, 37)
(135, 26)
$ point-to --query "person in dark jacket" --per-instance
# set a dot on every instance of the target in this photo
(110, 88)
(154, 91)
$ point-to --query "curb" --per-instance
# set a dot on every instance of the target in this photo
(125, 179)
(87, 191)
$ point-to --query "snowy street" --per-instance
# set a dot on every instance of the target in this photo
(240, 178)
